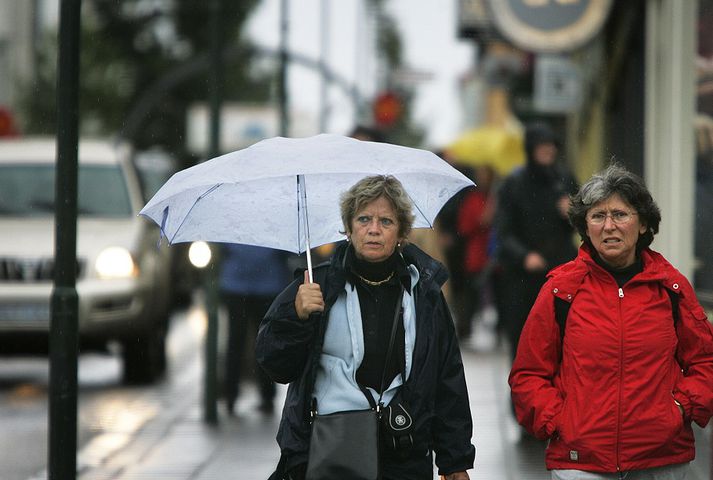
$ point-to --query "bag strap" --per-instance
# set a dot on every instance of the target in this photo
(389, 353)
(674, 307)
(561, 312)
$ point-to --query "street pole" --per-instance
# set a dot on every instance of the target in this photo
(282, 80)
(210, 411)
(63, 337)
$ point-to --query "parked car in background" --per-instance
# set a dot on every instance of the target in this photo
(154, 168)
(123, 282)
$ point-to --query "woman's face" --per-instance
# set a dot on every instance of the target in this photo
(613, 227)
(545, 153)
(374, 231)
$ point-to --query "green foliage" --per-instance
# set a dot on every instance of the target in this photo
(389, 42)
(390, 51)
(37, 105)
(144, 62)
(130, 48)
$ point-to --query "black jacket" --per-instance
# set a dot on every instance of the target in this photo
(435, 390)
(528, 218)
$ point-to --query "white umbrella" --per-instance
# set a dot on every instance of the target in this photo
(284, 192)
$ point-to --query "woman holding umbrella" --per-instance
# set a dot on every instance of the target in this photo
(373, 328)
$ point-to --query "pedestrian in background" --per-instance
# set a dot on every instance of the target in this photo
(475, 219)
(250, 278)
(367, 133)
(451, 243)
(615, 379)
(533, 232)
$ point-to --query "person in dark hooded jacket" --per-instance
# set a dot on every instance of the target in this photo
(329, 340)
(533, 231)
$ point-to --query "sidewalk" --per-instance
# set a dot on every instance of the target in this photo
(177, 445)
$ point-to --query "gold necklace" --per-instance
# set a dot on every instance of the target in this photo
(372, 283)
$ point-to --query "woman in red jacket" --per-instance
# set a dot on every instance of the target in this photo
(616, 383)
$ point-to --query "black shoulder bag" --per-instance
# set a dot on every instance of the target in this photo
(345, 445)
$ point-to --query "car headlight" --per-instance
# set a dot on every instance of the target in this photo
(199, 254)
(115, 262)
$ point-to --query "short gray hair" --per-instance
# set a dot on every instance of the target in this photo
(371, 188)
(616, 180)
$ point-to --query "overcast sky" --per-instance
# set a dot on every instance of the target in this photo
(430, 46)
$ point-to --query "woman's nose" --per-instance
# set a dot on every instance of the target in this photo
(609, 223)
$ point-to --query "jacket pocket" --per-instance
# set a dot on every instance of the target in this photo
(675, 421)
(560, 443)
(663, 426)
(564, 422)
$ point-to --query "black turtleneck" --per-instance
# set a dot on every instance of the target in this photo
(622, 275)
(378, 306)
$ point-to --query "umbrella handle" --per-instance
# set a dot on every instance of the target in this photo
(309, 263)
(302, 199)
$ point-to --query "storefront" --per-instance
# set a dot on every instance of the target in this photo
(630, 81)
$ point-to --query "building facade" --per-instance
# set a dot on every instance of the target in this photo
(630, 81)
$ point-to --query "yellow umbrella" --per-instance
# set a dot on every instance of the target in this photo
(499, 147)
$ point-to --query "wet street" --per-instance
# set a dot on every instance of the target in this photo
(156, 432)
(110, 413)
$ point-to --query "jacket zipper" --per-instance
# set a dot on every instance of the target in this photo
(621, 371)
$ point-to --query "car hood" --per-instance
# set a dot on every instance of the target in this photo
(35, 237)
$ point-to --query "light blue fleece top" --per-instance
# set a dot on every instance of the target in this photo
(336, 388)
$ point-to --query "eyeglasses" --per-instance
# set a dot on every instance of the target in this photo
(619, 217)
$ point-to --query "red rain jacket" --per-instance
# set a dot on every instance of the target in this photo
(474, 227)
(609, 405)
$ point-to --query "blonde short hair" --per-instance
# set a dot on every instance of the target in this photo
(371, 188)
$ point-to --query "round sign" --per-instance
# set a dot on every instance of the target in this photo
(549, 25)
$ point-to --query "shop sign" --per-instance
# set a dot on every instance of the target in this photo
(549, 25)
(558, 85)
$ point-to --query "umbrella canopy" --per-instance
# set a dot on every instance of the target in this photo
(284, 192)
(496, 146)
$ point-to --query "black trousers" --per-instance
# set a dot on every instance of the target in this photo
(244, 315)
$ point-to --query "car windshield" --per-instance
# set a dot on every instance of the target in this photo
(28, 191)
(151, 180)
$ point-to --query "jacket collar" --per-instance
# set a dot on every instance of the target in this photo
(567, 278)
(429, 269)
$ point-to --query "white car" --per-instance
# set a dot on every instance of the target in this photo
(123, 281)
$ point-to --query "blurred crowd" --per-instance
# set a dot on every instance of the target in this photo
(500, 238)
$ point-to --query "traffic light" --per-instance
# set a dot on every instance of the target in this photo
(387, 109)
(7, 124)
